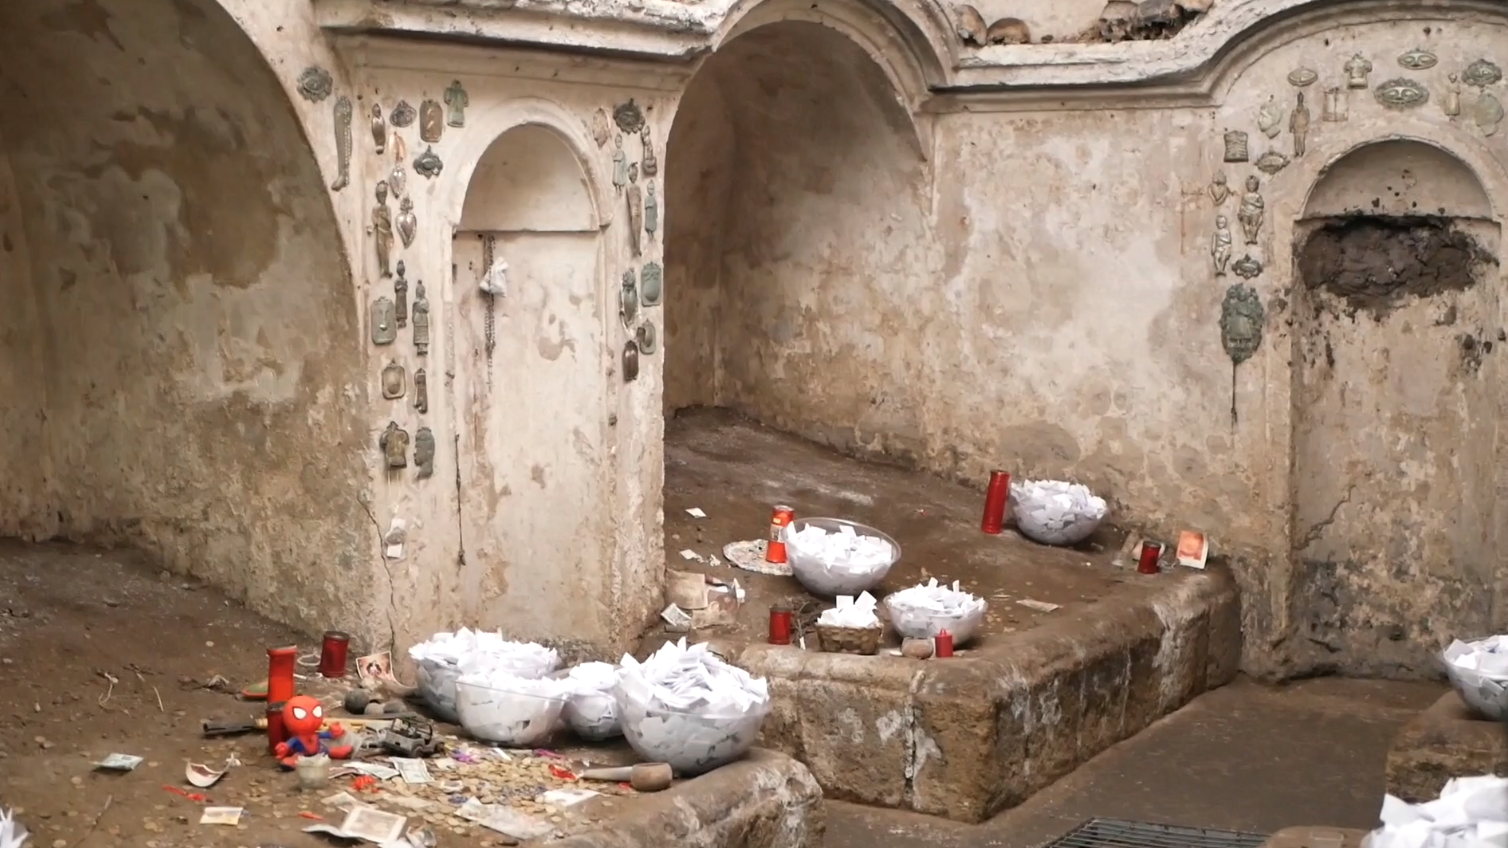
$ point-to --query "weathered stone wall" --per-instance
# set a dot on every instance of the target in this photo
(178, 332)
(1034, 289)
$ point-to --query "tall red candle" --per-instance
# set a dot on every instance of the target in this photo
(280, 663)
(333, 653)
(781, 619)
(1150, 553)
(995, 499)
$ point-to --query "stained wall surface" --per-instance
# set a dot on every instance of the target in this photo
(1037, 292)
(178, 369)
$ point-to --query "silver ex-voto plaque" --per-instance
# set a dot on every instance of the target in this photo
(651, 284)
(342, 143)
(394, 445)
(315, 84)
(384, 322)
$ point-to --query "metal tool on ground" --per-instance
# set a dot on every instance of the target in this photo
(644, 777)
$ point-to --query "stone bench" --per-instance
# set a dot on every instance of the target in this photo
(973, 735)
(1445, 741)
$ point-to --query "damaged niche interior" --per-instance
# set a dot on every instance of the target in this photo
(1398, 341)
(788, 287)
(177, 298)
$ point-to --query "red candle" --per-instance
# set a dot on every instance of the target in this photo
(276, 731)
(332, 654)
(1150, 553)
(995, 499)
(781, 619)
(280, 663)
(942, 644)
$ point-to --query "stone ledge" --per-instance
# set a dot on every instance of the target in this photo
(968, 737)
(766, 800)
(1301, 837)
(1445, 741)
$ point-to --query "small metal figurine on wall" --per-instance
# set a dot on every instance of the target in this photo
(635, 218)
(394, 445)
(651, 211)
(620, 164)
(408, 222)
(400, 291)
(421, 320)
(1241, 320)
(457, 100)
(379, 128)
(651, 165)
(1253, 207)
(382, 230)
(421, 391)
(1298, 124)
(394, 381)
(1219, 189)
(1220, 245)
(630, 362)
(431, 121)
(342, 143)
(1357, 69)
(424, 452)
(384, 324)
(1236, 146)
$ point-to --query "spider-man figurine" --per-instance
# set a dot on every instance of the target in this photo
(302, 717)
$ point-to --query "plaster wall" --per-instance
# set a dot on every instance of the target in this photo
(1035, 291)
(189, 379)
(542, 514)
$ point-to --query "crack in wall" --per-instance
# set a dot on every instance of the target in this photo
(1314, 532)
(392, 588)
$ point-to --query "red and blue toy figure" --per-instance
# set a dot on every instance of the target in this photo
(303, 717)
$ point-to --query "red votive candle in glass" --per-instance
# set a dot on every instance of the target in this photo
(995, 499)
(1150, 553)
(942, 644)
(276, 731)
(280, 663)
(781, 619)
(333, 653)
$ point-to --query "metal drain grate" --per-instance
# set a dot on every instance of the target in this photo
(1115, 833)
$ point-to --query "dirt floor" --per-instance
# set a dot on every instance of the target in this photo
(71, 619)
(735, 470)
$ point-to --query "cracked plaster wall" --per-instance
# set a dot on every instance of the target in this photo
(177, 337)
(542, 517)
(1038, 294)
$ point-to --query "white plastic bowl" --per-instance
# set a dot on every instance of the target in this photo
(1486, 695)
(824, 581)
(593, 715)
(690, 742)
(914, 623)
(507, 718)
(1049, 528)
(437, 686)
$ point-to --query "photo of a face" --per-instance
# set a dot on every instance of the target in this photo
(374, 668)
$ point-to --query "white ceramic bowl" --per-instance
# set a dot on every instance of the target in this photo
(1050, 527)
(915, 623)
(437, 686)
(508, 718)
(593, 715)
(826, 581)
(692, 743)
(1486, 695)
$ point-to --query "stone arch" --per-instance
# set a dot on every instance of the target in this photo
(531, 383)
(798, 222)
(487, 126)
(192, 377)
(1396, 308)
(911, 40)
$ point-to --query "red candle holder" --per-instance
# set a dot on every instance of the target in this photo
(996, 497)
(1151, 552)
(781, 621)
(277, 732)
(942, 644)
(333, 653)
(280, 665)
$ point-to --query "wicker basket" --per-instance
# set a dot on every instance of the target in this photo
(849, 640)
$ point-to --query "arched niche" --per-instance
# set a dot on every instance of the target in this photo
(532, 390)
(529, 180)
(1396, 412)
(193, 378)
(797, 227)
(1399, 177)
